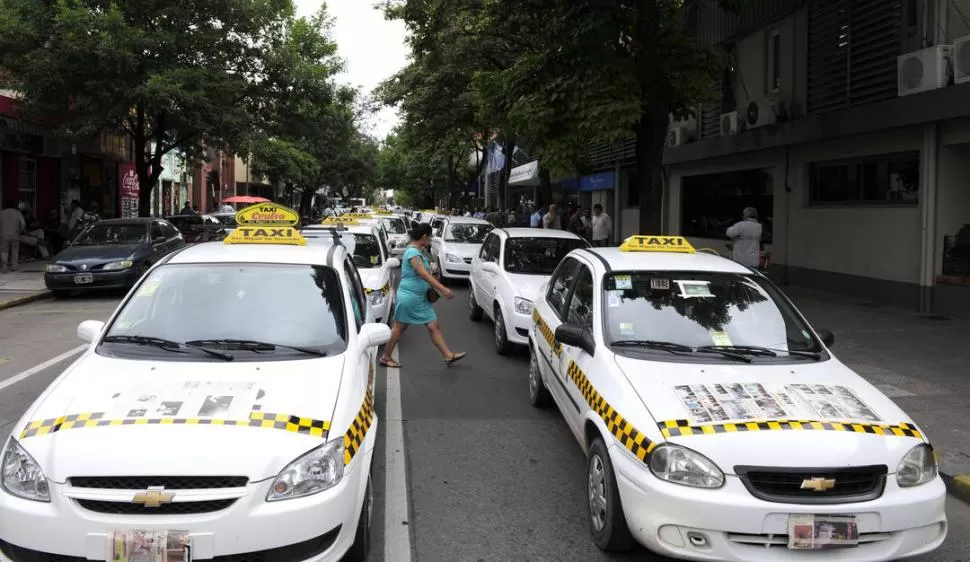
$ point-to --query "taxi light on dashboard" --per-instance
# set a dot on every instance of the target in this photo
(665, 244)
(266, 223)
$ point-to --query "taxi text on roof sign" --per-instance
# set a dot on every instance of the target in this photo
(345, 220)
(266, 223)
(672, 244)
(357, 216)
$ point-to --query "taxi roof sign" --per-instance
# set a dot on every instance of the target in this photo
(665, 244)
(266, 223)
(345, 220)
(357, 215)
(267, 214)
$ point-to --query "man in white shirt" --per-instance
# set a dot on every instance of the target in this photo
(746, 236)
(11, 225)
(602, 226)
(226, 208)
(76, 213)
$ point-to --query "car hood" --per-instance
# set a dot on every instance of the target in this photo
(723, 397)
(175, 418)
(372, 279)
(107, 252)
(462, 250)
(527, 286)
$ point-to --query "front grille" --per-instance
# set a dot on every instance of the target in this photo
(784, 485)
(468, 260)
(180, 508)
(168, 482)
(20, 554)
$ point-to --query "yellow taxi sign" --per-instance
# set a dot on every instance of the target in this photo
(669, 244)
(344, 220)
(357, 215)
(267, 214)
(383, 212)
(279, 235)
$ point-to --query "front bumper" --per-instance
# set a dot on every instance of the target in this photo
(317, 528)
(517, 327)
(739, 527)
(123, 279)
(456, 270)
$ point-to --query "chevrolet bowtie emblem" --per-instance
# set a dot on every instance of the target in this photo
(153, 497)
(84, 266)
(818, 484)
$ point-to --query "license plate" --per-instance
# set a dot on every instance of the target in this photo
(818, 532)
(83, 278)
(149, 546)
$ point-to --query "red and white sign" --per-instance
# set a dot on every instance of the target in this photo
(128, 190)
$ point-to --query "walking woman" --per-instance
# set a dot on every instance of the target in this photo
(413, 306)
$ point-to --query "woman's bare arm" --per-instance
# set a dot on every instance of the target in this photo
(418, 264)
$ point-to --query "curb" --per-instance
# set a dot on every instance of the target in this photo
(17, 301)
(958, 486)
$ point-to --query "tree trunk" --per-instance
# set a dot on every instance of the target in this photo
(505, 190)
(545, 188)
(651, 132)
(306, 201)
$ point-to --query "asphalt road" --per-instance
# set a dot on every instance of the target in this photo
(489, 478)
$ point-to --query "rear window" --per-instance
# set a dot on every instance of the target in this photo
(537, 256)
(468, 233)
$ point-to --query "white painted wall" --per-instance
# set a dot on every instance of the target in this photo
(752, 64)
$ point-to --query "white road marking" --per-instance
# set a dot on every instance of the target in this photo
(397, 524)
(40, 367)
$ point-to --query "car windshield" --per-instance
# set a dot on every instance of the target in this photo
(187, 223)
(537, 256)
(698, 309)
(394, 225)
(280, 304)
(105, 234)
(467, 233)
(226, 220)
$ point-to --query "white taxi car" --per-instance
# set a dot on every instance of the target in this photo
(373, 262)
(456, 241)
(226, 407)
(397, 232)
(506, 275)
(716, 422)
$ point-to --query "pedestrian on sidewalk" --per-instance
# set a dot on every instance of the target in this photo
(746, 235)
(551, 219)
(11, 225)
(602, 227)
(413, 305)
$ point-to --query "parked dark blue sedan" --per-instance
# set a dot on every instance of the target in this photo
(111, 254)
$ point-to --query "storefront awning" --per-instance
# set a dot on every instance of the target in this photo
(526, 174)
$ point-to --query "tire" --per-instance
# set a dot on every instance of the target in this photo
(362, 539)
(502, 344)
(60, 294)
(475, 312)
(607, 524)
(538, 393)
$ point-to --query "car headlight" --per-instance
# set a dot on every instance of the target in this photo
(316, 471)
(452, 258)
(917, 467)
(55, 268)
(376, 297)
(523, 306)
(22, 476)
(117, 265)
(680, 465)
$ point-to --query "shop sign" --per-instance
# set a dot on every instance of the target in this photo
(598, 182)
(128, 190)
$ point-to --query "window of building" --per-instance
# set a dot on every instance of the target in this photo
(886, 178)
(632, 189)
(773, 81)
(712, 202)
(28, 184)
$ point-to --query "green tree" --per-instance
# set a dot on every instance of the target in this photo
(172, 75)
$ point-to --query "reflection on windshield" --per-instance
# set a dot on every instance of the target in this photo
(394, 226)
(702, 309)
(103, 234)
(537, 256)
(468, 233)
(364, 248)
(295, 305)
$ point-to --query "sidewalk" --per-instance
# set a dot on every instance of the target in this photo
(922, 362)
(24, 285)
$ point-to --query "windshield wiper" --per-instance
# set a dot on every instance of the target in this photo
(677, 348)
(766, 351)
(167, 345)
(257, 346)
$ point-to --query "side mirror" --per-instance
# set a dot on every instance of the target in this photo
(393, 263)
(374, 334)
(576, 336)
(89, 330)
(828, 338)
(490, 267)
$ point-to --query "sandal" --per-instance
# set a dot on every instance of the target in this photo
(389, 363)
(455, 357)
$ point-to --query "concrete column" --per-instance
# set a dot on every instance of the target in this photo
(929, 168)
(616, 212)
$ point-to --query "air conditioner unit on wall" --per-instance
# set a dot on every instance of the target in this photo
(761, 112)
(924, 70)
(729, 123)
(677, 136)
(961, 60)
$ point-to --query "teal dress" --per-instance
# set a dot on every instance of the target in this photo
(413, 306)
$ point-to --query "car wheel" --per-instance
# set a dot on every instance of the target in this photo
(361, 548)
(538, 393)
(607, 524)
(502, 344)
(475, 312)
(61, 293)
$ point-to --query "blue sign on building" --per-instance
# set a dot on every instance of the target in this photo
(598, 182)
(570, 184)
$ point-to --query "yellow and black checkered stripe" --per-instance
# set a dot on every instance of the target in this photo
(358, 429)
(286, 422)
(625, 433)
(385, 289)
(676, 428)
(546, 332)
